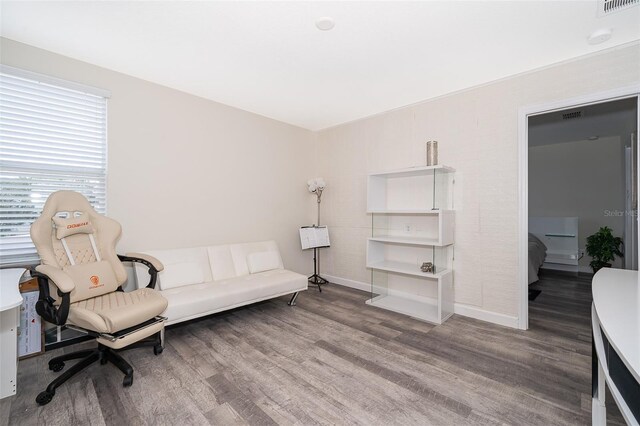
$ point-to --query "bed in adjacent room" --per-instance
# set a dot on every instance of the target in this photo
(537, 254)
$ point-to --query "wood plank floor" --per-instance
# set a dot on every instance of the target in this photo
(334, 360)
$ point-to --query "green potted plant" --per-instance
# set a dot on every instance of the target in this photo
(603, 248)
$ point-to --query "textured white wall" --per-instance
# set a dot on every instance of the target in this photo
(185, 171)
(580, 179)
(477, 134)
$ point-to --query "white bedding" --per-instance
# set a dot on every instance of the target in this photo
(537, 254)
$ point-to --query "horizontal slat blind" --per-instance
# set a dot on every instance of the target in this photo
(51, 138)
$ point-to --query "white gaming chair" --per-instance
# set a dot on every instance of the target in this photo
(80, 280)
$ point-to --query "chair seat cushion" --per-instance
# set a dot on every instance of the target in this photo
(117, 311)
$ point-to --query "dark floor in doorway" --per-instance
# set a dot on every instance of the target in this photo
(534, 293)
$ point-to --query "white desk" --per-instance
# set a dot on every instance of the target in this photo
(10, 301)
(615, 316)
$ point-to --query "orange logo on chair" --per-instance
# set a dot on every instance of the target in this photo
(95, 281)
(77, 225)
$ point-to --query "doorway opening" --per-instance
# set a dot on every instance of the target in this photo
(580, 181)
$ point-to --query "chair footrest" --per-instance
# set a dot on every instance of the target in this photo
(131, 335)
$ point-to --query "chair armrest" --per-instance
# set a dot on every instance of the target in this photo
(150, 262)
(60, 279)
(45, 306)
(144, 259)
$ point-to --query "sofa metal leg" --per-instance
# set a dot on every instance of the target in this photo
(292, 302)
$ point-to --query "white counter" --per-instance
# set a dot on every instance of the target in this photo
(616, 299)
(10, 301)
(616, 342)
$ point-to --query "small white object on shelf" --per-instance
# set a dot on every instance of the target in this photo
(432, 153)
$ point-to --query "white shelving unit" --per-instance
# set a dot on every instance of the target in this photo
(412, 222)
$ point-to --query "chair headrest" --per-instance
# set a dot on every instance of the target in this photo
(66, 201)
(73, 225)
(79, 217)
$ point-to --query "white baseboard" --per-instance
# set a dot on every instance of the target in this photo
(458, 308)
(567, 268)
(359, 285)
(481, 314)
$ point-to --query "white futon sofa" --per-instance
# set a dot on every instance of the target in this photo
(205, 280)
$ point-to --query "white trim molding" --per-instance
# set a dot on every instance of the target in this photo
(458, 308)
(523, 176)
(358, 285)
(484, 315)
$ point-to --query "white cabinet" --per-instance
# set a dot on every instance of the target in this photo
(412, 221)
(10, 301)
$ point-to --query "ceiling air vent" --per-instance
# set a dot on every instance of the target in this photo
(605, 7)
(572, 115)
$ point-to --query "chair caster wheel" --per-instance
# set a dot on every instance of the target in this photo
(128, 381)
(45, 397)
(56, 366)
(157, 349)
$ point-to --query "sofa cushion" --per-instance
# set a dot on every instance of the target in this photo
(179, 274)
(240, 253)
(221, 262)
(263, 261)
(196, 256)
(202, 299)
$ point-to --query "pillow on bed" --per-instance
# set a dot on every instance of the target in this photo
(534, 239)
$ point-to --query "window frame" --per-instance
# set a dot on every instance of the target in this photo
(67, 85)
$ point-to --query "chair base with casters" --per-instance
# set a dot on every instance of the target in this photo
(148, 333)
(104, 354)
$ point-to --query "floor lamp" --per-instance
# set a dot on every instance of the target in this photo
(316, 186)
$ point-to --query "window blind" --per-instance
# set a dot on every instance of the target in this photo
(51, 138)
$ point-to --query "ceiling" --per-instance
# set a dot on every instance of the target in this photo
(269, 58)
(615, 118)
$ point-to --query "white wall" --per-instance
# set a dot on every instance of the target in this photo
(583, 179)
(185, 171)
(477, 132)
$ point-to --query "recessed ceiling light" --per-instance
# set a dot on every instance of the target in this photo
(325, 23)
(599, 36)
